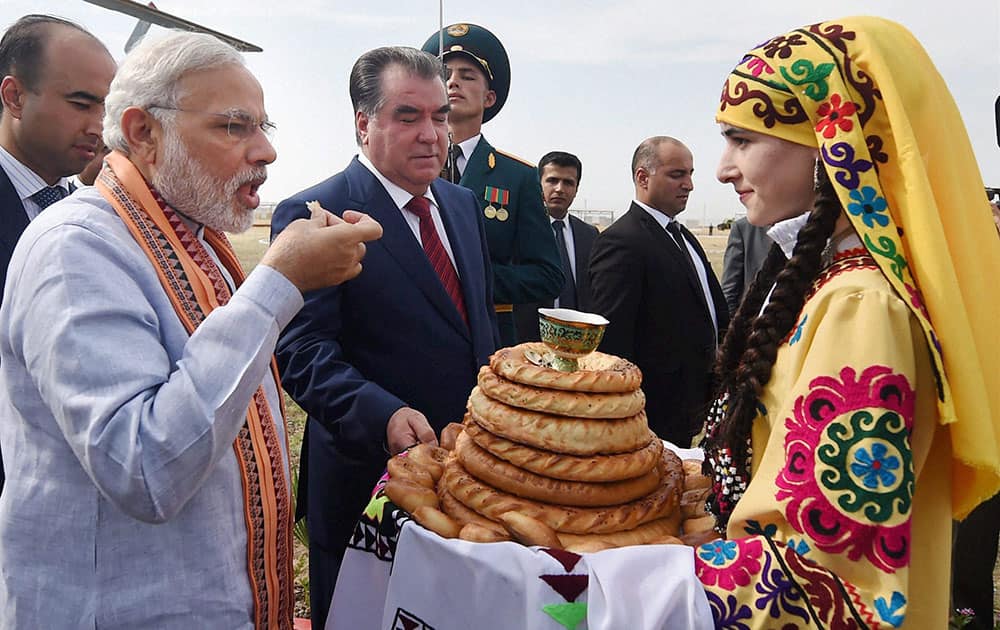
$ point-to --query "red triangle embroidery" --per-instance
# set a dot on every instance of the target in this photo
(569, 586)
(566, 558)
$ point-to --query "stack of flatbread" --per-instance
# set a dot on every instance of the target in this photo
(560, 459)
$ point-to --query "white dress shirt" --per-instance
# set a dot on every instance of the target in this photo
(400, 197)
(468, 146)
(662, 219)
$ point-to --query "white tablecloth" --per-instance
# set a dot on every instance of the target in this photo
(398, 575)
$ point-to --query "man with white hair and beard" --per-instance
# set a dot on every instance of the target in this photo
(148, 485)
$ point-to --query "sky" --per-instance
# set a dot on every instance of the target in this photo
(592, 77)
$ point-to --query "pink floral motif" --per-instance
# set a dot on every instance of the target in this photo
(720, 567)
(917, 300)
(756, 66)
(836, 421)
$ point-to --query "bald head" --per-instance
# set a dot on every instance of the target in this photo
(662, 168)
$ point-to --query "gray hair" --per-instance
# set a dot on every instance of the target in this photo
(151, 73)
(366, 75)
(647, 154)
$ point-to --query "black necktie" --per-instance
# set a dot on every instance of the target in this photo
(48, 196)
(567, 298)
(450, 170)
(675, 231)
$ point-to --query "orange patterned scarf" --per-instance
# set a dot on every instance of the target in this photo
(195, 286)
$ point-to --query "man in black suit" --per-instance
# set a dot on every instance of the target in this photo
(54, 76)
(386, 360)
(651, 279)
(560, 174)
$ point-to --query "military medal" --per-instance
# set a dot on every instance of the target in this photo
(496, 196)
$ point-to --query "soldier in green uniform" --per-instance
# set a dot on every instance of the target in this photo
(522, 248)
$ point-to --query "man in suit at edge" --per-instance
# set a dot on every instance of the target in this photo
(386, 360)
(560, 174)
(651, 279)
(746, 250)
(54, 76)
(525, 261)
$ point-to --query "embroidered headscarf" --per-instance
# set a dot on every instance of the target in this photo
(864, 92)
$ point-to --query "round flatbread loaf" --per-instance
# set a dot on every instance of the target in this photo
(463, 515)
(560, 402)
(569, 467)
(490, 502)
(573, 436)
(641, 535)
(517, 481)
(597, 372)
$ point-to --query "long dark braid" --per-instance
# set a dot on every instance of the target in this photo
(751, 344)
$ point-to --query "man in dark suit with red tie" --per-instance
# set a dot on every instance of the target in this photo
(651, 279)
(560, 174)
(54, 76)
(386, 360)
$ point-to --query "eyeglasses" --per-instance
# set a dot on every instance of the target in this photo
(239, 124)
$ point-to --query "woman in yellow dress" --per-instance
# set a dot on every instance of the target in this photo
(860, 373)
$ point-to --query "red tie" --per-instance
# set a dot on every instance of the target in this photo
(436, 253)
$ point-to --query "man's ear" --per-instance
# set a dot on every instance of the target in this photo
(489, 99)
(361, 121)
(143, 134)
(12, 93)
(641, 177)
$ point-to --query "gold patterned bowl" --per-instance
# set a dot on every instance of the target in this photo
(570, 335)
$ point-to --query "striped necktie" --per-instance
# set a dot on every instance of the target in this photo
(436, 253)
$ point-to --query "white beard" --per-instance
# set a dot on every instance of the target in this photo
(188, 187)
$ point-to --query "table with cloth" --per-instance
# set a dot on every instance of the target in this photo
(398, 575)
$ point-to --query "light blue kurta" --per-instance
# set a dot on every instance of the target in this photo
(123, 506)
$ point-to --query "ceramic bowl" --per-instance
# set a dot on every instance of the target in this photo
(570, 334)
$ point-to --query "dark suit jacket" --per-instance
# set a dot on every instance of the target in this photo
(389, 338)
(746, 250)
(525, 261)
(14, 219)
(526, 315)
(659, 319)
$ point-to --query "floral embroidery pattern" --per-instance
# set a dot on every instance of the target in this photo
(718, 552)
(887, 248)
(728, 613)
(798, 330)
(876, 469)
(779, 594)
(870, 206)
(842, 156)
(782, 45)
(834, 115)
(890, 611)
(813, 77)
(758, 66)
(843, 421)
(728, 564)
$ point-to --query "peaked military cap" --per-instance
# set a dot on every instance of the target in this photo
(485, 50)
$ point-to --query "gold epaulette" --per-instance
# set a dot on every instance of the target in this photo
(514, 157)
